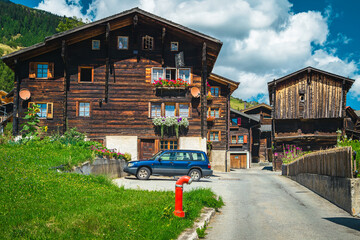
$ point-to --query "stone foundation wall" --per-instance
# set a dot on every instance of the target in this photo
(110, 167)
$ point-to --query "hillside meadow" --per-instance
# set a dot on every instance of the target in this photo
(39, 202)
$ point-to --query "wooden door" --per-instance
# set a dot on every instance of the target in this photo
(238, 161)
(147, 148)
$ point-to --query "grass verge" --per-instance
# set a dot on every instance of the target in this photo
(40, 203)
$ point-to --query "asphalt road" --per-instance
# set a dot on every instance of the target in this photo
(260, 204)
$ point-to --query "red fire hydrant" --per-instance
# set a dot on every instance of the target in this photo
(179, 195)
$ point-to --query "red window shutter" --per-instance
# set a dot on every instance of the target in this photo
(245, 138)
(239, 121)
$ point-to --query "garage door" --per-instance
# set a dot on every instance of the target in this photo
(238, 161)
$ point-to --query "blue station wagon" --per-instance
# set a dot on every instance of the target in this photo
(172, 163)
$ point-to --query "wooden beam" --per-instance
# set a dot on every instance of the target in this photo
(107, 61)
(64, 57)
(16, 100)
(163, 45)
(203, 92)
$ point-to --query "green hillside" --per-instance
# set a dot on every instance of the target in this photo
(21, 27)
(239, 104)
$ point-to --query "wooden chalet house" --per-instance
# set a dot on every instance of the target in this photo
(241, 138)
(103, 79)
(261, 145)
(308, 107)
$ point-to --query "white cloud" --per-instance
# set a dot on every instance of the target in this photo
(61, 7)
(263, 40)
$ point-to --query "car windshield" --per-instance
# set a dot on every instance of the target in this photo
(156, 155)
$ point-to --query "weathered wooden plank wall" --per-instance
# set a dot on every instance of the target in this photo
(322, 97)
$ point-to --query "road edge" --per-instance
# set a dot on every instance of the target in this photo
(190, 233)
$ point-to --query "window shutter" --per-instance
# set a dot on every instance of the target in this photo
(149, 113)
(30, 104)
(50, 111)
(148, 75)
(163, 109)
(190, 110)
(32, 73)
(50, 70)
(177, 109)
(239, 121)
(245, 138)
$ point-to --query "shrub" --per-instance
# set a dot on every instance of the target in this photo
(127, 157)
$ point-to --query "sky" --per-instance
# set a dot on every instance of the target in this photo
(262, 39)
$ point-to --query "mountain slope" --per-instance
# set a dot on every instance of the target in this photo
(21, 26)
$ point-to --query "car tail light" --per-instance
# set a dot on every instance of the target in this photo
(209, 166)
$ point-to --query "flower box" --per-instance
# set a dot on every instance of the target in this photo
(170, 123)
(170, 84)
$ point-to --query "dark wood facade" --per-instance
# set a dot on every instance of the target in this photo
(261, 136)
(308, 107)
(116, 83)
(352, 124)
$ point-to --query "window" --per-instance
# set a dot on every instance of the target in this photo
(174, 46)
(183, 156)
(183, 110)
(169, 110)
(214, 136)
(215, 91)
(86, 74)
(123, 42)
(167, 145)
(155, 110)
(170, 73)
(184, 74)
(41, 70)
(46, 109)
(234, 121)
(95, 45)
(84, 109)
(238, 139)
(148, 43)
(214, 112)
(198, 157)
(156, 74)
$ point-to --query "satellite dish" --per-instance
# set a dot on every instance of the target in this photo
(24, 94)
(195, 92)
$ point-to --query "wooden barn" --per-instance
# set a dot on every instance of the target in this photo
(261, 144)
(308, 107)
(241, 146)
(352, 124)
(103, 79)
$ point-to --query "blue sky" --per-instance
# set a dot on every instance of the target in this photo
(263, 40)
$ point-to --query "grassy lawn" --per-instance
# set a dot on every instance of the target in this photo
(40, 203)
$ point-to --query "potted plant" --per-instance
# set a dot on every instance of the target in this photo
(170, 123)
(210, 118)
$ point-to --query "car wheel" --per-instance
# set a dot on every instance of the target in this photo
(195, 175)
(143, 173)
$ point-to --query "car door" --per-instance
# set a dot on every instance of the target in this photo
(165, 164)
(181, 163)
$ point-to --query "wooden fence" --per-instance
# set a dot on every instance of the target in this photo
(335, 162)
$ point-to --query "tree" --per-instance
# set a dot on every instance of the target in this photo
(69, 23)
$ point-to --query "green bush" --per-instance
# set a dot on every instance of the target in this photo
(127, 157)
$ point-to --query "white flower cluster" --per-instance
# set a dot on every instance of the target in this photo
(171, 121)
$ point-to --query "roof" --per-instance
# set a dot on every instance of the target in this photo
(217, 78)
(257, 106)
(254, 118)
(351, 113)
(54, 42)
(309, 69)
(357, 112)
(265, 128)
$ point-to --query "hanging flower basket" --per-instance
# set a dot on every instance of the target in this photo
(169, 124)
(209, 97)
